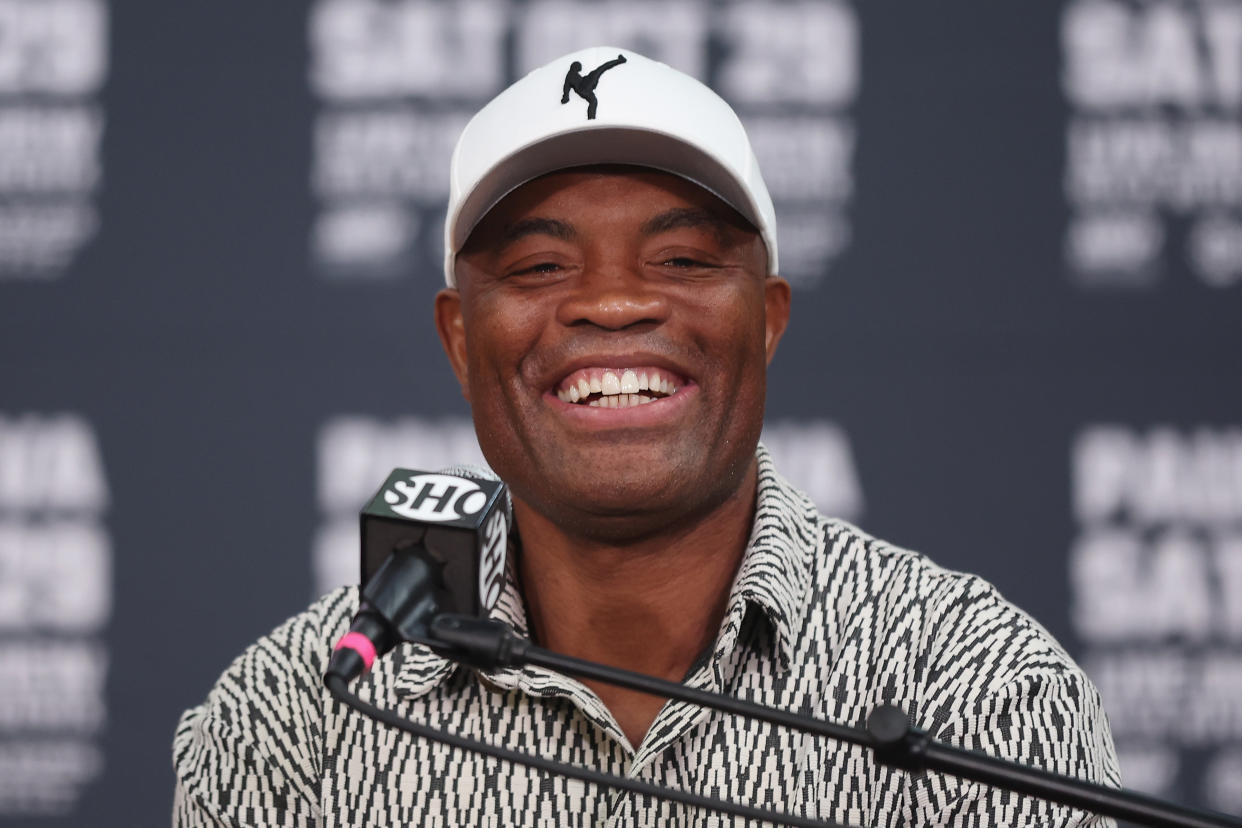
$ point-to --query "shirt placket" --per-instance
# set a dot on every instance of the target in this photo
(674, 720)
(623, 811)
(541, 683)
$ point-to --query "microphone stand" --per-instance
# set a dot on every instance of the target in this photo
(488, 645)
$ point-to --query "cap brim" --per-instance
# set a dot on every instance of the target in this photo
(601, 145)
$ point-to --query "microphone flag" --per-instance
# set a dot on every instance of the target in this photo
(459, 521)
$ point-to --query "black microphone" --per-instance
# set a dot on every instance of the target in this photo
(432, 542)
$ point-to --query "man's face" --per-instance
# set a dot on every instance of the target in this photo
(611, 331)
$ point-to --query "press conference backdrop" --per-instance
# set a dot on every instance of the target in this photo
(1014, 231)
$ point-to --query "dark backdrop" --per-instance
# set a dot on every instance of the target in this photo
(1016, 239)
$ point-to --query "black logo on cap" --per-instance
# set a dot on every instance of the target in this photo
(584, 85)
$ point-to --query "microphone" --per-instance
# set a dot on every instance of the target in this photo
(432, 542)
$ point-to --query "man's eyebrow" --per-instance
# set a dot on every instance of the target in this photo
(693, 217)
(538, 226)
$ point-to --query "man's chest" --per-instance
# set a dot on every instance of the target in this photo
(374, 775)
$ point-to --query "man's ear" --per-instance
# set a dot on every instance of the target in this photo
(452, 329)
(776, 304)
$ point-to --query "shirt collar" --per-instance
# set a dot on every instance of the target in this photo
(776, 569)
(773, 576)
(421, 669)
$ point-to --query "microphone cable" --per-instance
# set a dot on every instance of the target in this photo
(337, 687)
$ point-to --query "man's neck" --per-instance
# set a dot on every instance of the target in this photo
(651, 606)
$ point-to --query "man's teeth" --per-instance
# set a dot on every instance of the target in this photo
(620, 401)
(617, 389)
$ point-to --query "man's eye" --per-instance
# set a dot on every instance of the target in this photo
(540, 268)
(683, 262)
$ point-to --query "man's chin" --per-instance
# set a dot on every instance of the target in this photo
(632, 463)
(618, 493)
(615, 523)
(632, 502)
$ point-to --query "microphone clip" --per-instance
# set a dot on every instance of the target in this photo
(482, 643)
(896, 742)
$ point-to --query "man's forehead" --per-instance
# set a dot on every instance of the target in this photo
(669, 202)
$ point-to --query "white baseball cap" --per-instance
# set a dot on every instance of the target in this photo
(619, 108)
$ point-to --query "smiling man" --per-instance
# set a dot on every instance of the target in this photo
(611, 309)
(611, 330)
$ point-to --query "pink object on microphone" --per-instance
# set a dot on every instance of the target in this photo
(360, 644)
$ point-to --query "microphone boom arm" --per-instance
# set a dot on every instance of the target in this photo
(488, 645)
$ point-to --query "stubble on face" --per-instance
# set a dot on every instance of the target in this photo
(614, 269)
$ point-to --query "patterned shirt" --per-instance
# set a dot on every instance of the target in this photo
(821, 619)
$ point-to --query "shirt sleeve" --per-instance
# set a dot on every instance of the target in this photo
(1010, 691)
(251, 754)
(1053, 723)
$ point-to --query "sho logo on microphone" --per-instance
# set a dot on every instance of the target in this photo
(436, 498)
(492, 560)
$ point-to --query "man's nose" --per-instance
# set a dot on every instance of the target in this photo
(613, 297)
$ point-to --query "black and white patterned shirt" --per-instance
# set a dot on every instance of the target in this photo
(822, 619)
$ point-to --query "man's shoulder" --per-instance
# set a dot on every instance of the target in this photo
(308, 635)
(952, 621)
(324, 620)
(857, 587)
(260, 725)
(964, 661)
(854, 554)
(301, 644)
(839, 556)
